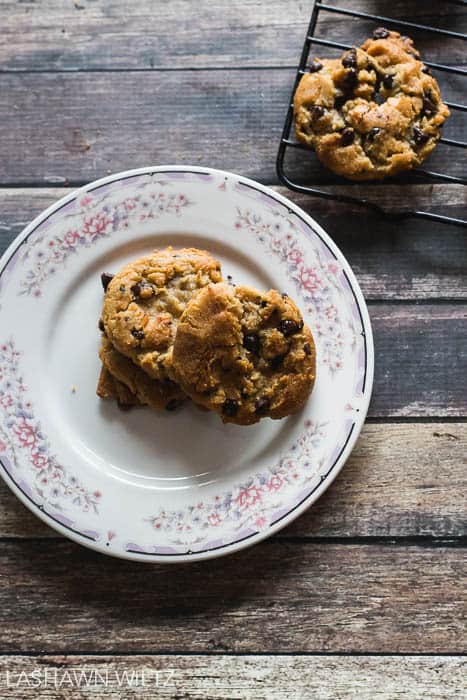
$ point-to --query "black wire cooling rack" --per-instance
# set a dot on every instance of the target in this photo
(419, 174)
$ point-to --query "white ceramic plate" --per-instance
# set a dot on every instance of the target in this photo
(169, 487)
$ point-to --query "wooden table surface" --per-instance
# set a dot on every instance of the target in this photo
(363, 596)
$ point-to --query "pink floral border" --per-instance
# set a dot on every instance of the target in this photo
(24, 443)
(251, 504)
(95, 218)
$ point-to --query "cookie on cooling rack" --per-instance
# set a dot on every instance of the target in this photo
(244, 354)
(144, 301)
(376, 111)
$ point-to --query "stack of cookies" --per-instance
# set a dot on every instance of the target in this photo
(173, 330)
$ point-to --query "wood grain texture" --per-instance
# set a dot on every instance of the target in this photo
(402, 480)
(392, 261)
(275, 597)
(80, 126)
(421, 360)
(187, 99)
(234, 677)
(111, 34)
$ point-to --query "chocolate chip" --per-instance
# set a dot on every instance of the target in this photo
(347, 137)
(262, 405)
(340, 101)
(101, 325)
(307, 349)
(138, 334)
(427, 70)
(388, 81)
(350, 79)
(429, 106)
(380, 33)
(317, 112)
(229, 277)
(142, 290)
(420, 137)
(349, 60)
(251, 342)
(378, 98)
(428, 109)
(122, 287)
(288, 327)
(429, 103)
(264, 303)
(172, 405)
(106, 279)
(284, 295)
(373, 132)
(315, 66)
(230, 408)
(276, 362)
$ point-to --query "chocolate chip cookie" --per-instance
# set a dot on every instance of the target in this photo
(131, 385)
(376, 111)
(244, 354)
(110, 388)
(144, 301)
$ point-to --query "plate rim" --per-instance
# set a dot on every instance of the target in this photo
(308, 501)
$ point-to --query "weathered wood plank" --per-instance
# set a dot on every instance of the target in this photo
(426, 260)
(53, 35)
(80, 126)
(220, 677)
(402, 480)
(406, 260)
(275, 597)
(421, 360)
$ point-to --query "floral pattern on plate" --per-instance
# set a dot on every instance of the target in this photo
(94, 219)
(26, 446)
(250, 504)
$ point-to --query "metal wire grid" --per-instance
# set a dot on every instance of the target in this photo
(286, 141)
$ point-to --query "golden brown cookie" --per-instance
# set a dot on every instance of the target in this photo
(160, 394)
(144, 301)
(375, 112)
(110, 388)
(244, 354)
